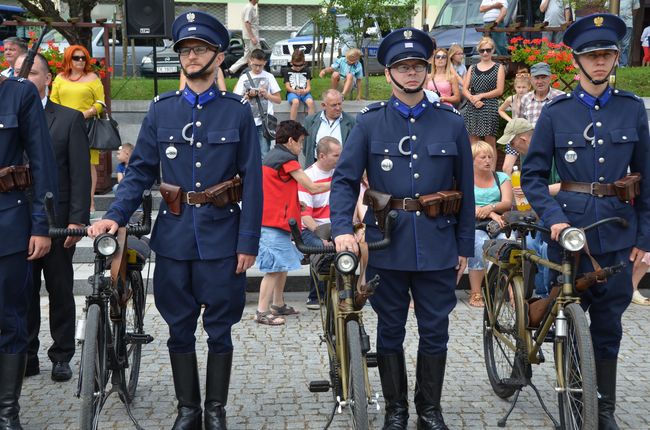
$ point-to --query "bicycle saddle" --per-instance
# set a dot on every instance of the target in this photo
(520, 216)
(140, 246)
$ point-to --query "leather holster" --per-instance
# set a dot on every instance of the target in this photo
(225, 193)
(537, 308)
(431, 204)
(380, 204)
(15, 178)
(172, 195)
(628, 187)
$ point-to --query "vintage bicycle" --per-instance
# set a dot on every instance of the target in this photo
(515, 325)
(111, 328)
(348, 345)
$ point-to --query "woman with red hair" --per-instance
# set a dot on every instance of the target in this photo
(78, 87)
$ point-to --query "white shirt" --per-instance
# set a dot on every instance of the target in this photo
(250, 15)
(554, 13)
(261, 80)
(7, 72)
(493, 14)
(328, 128)
(645, 36)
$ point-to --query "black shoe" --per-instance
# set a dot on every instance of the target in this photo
(430, 374)
(32, 367)
(392, 372)
(188, 393)
(61, 371)
(313, 304)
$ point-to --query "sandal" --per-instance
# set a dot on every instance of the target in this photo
(267, 318)
(476, 300)
(640, 299)
(283, 310)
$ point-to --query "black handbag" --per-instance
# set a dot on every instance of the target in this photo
(103, 132)
(269, 122)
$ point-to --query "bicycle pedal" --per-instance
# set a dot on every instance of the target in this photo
(137, 338)
(319, 386)
(371, 359)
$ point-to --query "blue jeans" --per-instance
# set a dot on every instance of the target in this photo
(625, 47)
(543, 276)
(265, 145)
(310, 239)
(499, 40)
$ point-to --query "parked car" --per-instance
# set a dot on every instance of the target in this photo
(142, 47)
(303, 40)
(448, 28)
(168, 64)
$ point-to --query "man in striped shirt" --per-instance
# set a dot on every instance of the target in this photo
(316, 207)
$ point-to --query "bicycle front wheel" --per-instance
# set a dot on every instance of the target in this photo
(501, 340)
(94, 375)
(357, 395)
(576, 372)
(134, 325)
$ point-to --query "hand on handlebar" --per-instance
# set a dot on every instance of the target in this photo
(498, 218)
(71, 240)
(102, 226)
(346, 242)
(556, 229)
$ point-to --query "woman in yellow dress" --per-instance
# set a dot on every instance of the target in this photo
(78, 87)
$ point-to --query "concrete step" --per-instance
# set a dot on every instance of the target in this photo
(103, 201)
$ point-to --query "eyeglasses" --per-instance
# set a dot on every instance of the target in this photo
(485, 50)
(257, 65)
(418, 68)
(78, 58)
(198, 50)
(522, 75)
(297, 65)
(440, 57)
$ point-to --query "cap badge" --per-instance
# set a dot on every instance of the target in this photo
(408, 34)
(598, 21)
(190, 17)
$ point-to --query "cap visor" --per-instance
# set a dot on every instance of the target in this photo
(595, 48)
(175, 45)
(505, 139)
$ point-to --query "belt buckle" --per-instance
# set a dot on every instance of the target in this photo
(592, 189)
(188, 196)
(404, 200)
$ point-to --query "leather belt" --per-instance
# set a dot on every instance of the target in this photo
(195, 198)
(593, 188)
(408, 204)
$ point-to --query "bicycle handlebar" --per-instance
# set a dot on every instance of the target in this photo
(524, 225)
(138, 231)
(331, 249)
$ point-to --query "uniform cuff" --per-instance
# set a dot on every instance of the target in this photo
(247, 244)
(466, 247)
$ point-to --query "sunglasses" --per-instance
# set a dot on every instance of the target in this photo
(440, 57)
(297, 64)
(78, 58)
(485, 50)
(522, 75)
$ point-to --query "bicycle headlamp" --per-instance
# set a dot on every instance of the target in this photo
(346, 262)
(572, 239)
(105, 244)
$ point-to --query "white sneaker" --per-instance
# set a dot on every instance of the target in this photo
(640, 299)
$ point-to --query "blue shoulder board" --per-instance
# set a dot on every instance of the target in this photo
(560, 98)
(166, 95)
(374, 106)
(233, 96)
(623, 93)
(446, 107)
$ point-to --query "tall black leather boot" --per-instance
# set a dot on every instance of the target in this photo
(217, 382)
(606, 378)
(430, 374)
(392, 372)
(12, 369)
(186, 384)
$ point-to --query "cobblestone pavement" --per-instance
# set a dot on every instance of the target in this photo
(273, 366)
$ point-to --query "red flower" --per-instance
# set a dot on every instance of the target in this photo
(556, 84)
(50, 63)
(531, 58)
(2, 48)
(59, 65)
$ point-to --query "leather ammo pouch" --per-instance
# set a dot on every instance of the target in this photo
(15, 178)
(628, 187)
(171, 194)
(431, 204)
(225, 193)
(451, 202)
(379, 202)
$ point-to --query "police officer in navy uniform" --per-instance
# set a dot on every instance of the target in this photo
(200, 137)
(23, 229)
(595, 134)
(410, 147)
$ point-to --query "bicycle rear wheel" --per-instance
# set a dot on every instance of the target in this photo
(357, 395)
(576, 371)
(134, 325)
(501, 342)
(94, 373)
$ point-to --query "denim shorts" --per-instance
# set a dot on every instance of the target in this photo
(477, 262)
(292, 96)
(277, 253)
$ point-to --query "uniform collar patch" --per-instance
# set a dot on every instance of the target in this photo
(591, 101)
(193, 99)
(407, 111)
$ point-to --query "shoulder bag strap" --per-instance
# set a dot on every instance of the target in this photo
(257, 98)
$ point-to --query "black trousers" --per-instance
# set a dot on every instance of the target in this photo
(59, 277)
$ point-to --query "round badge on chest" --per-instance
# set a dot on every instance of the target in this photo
(386, 164)
(571, 156)
(171, 152)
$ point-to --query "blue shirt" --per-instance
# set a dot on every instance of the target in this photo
(341, 65)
